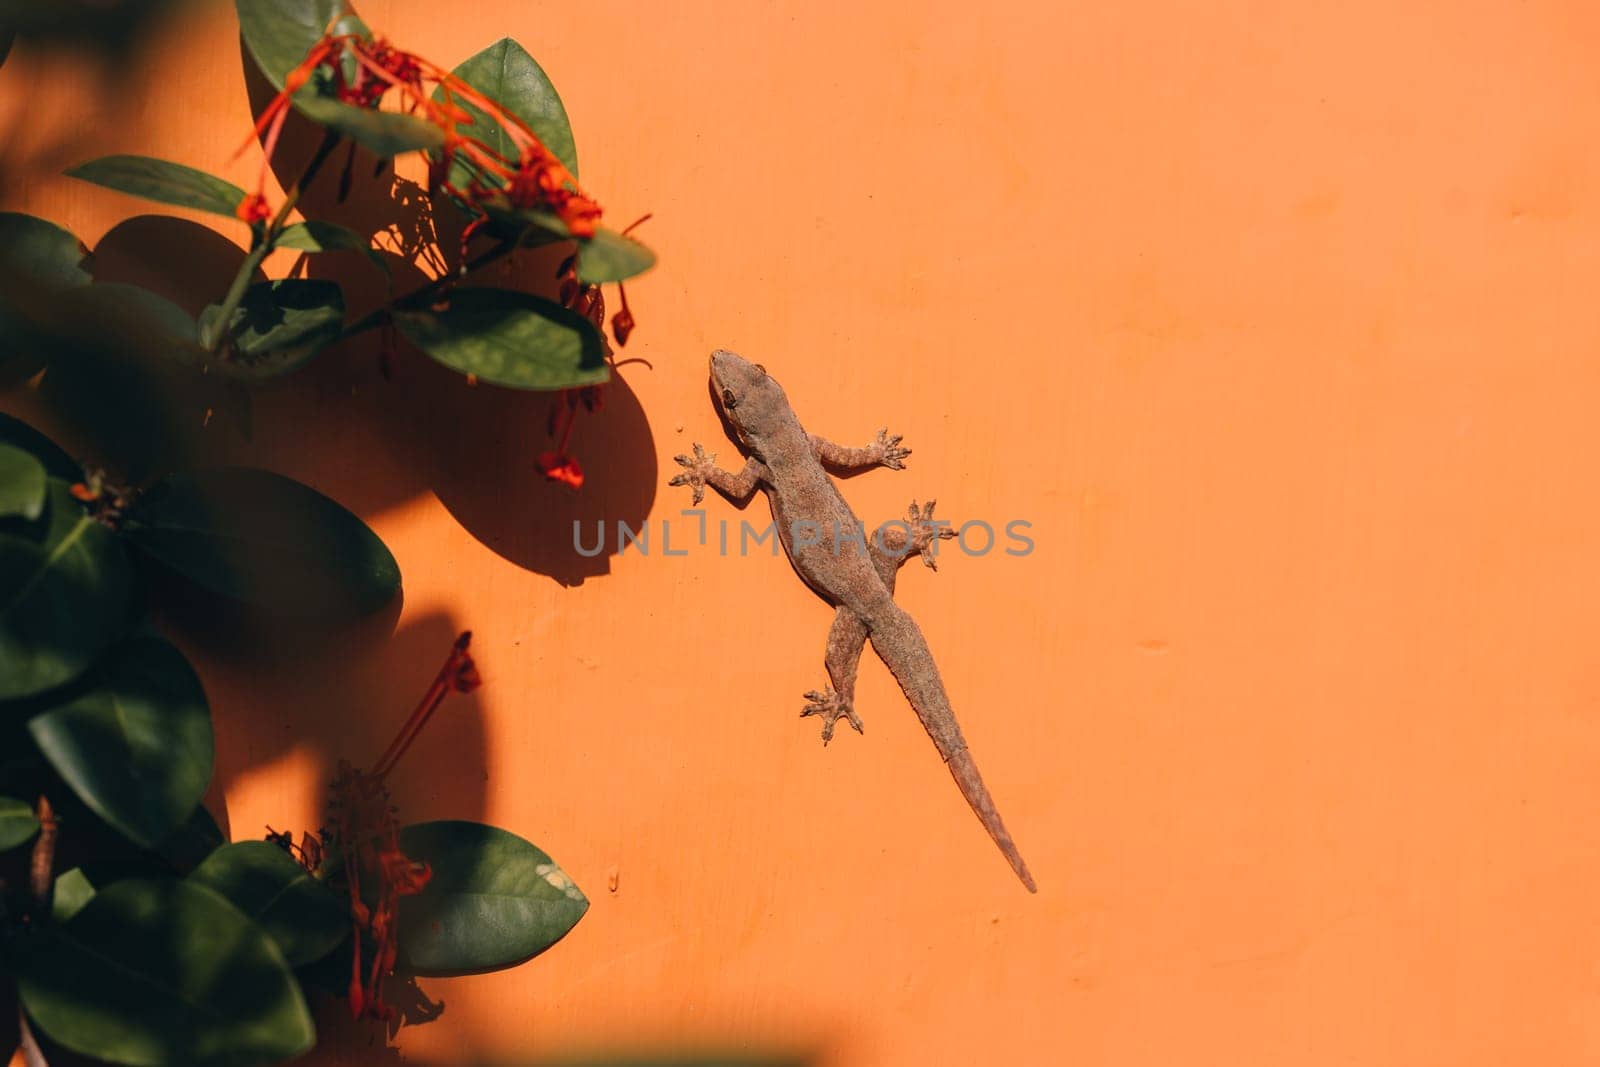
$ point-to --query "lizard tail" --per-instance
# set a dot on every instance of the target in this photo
(898, 640)
(966, 775)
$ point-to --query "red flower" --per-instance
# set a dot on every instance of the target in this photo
(366, 832)
(530, 179)
(253, 209)
(560, 467)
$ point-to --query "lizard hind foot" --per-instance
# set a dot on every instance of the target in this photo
(831, 707)
(925, 531)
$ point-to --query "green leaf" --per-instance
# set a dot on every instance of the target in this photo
(64, 597)
(505, 73)
(187, 847)
(42, 250)
(510, 338)
(610, 257)
(264, 539)
(315, 236)
(383, 133)
(163, 182)
(22, 484)
(306, 918)
(494, 899)
(20, 434)
(72, 891)
(278, 326)
(17, 823)
(38, 259)
(133, 321)
(123, 375)
(57, 463)
(136, 747)
(164, 974)
(280, 33)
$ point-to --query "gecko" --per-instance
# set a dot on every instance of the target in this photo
(828, 549)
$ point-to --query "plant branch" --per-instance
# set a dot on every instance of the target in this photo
(268, 239)
(41, 880)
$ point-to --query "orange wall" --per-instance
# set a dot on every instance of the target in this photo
(1277, 321)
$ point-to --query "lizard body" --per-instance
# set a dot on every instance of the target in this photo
(815, 524)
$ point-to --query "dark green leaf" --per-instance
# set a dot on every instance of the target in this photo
(164, 974)
(187, 846)
(306, 918)
(383, 133)
(264, 539)
(611, 257)
(38, 259)
(109, 859)
(42, 250)
(510, 338)
(280, 33)
(72, 891)
(494, 899)
(163, 182)
(505, 73)
(123, 376)
(56, 462)
(278, 326)
(17, 823)
(22, 484)
(137, 322)
(136, 747)
(63, 597)
(315, 236)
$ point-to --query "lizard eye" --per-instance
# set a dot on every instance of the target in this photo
(728, 399)
(760, 368)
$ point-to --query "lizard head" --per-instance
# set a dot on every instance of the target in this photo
(751, 399)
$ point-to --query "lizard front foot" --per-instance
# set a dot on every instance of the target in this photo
(832, 708)
(697, 468)
(886, 451)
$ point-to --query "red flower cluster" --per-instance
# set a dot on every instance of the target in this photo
(364, 72)
(557, 464)
(587, 300)
(531, 179)
(366, 832)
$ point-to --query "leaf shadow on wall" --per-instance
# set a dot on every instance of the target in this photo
(330, 695)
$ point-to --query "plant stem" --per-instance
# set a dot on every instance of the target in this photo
(269, 238)
(41, 871)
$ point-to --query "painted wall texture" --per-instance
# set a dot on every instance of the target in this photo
(1277, 322)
